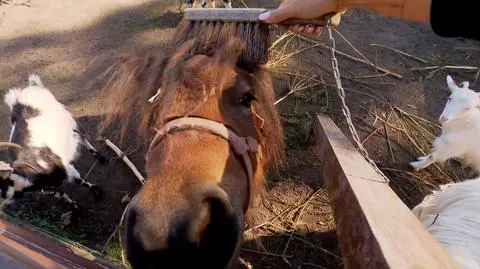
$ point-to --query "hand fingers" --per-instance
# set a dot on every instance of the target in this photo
(309, 29)
(297, 28)
(302, 9)
(306, 30)
(275, 16)
(282, 13)
(285, 3)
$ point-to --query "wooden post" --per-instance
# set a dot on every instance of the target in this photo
(33, 249)
(375, 229)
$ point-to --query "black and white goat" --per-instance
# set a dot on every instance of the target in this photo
(49, 138)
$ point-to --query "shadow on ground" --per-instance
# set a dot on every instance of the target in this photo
(298, 250)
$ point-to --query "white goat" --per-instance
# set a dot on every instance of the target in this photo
(50, 138)
(460, 121)
(452, 215)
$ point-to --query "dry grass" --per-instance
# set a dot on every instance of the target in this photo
(416, 134)
(394, 123)
(393, 126)
(288, 221)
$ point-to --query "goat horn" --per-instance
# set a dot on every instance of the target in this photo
(5, 145)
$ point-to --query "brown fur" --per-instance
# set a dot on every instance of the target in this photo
(211, 36)
(190, 211)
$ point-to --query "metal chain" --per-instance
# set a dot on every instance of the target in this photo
(346, 110)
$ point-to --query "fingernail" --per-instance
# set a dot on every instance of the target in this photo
(264, 16)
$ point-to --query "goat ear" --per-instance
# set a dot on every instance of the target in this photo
(465, 84)
(451, 84)
(34, 80)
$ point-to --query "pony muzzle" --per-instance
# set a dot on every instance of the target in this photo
(205, 232)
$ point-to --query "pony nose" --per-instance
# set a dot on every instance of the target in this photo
(202, 233)
(443, 118)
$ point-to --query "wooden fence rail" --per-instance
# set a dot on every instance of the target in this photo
(21, 247)
(375, 229)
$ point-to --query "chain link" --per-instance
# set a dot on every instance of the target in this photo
(346, 110)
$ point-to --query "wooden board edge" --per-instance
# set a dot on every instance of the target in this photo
(366, 241)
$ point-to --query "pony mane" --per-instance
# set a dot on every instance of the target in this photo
(136, 78)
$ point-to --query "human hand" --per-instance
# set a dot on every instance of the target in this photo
(301, 9)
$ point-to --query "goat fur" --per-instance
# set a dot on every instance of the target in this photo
(460, 121)
(54, 127)
(50, 139)
(452, 215)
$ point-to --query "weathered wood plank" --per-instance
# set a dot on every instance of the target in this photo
(36, 250)
(375, 229)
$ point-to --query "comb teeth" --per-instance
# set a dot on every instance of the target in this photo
(256, 38)
(212, 36)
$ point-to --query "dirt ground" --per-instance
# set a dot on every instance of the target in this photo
(70, 43)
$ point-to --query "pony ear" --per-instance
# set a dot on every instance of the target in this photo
(451, 84)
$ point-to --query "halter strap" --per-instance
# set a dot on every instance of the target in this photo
(241, 146)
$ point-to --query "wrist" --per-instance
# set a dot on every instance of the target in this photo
(418, 10)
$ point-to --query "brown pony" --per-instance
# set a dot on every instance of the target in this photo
(192, 209)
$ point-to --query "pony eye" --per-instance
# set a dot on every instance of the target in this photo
(247, 99)
(449, 99)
